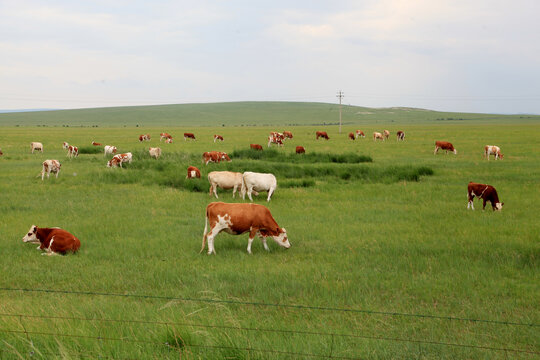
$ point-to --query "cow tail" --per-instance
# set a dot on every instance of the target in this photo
(243, 188)
(204, 235)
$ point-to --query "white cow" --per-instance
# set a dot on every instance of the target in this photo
(36, 146)
(50, 166)
(493, 150)
(253, 182)
(109, 149)
(225, 180)
(154, 152)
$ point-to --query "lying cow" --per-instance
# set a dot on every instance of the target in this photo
(256, 147)
(360, 133)
(53, 240)
(484, 192)
(109, 149)
(154, 152)
(378, 136)
(300, 150)
(96, 143)
(400, 135)
(193, 172)
(218, 137)
(445, 145)
(493, 150)
(36, 146)
(119, 159)
(73, 151)
(322, 134)
(254, 182)
(215, 156)
(50, 166)
(237, 219)
(225, 180)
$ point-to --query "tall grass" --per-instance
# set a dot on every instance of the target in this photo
(309, 158)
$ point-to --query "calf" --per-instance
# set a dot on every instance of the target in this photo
(53, 240)
(386, 134)
(445, 145)
(109, 149)
(36, 146)
(189, 136)
(484, 192)
(493, 150)
(360, 133)
(253, 182)
(73, 151)
(154, 152)
(237, 219)
(322, 134)
(215, 156)
(218, 137)
(225, 180)
(300, 150)
(256, 147)
(351, 136)
(378, 136)
(400, 135)
(50, 166)
(193, 172)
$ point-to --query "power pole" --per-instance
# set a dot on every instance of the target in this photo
(340, 95)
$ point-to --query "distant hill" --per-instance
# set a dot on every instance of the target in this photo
(245, 114)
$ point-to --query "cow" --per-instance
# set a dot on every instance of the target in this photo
(275, 138)
(484, 192)
(377, 136)
(287, 135)
(109, 149)
(65, 145)
(73, 151)
(53, 240)
(218, 137)
(256, 147)
(154, 152)
(144, 137)
(215, 156)
(237, 219)
(351, 136)
(225, 180)
(1, 153)
(493, 150)
(50, 166)
(360, 133)
(386, 134)
(193, 172)
(164, 136)
(400, 135)
(253, 182)
(119, 159)
(189, 136)
(445, 145)
(300, 150)
(36, 146)
(322, 134)
(96, 143)
(168, 141)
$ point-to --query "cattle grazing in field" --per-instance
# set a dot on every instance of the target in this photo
(493, 150)
(386, 134)
(445, 145)
(144, 137)
(322, 134)
(193, 172)
(165, 136)
(215, 157)
(96, 143)
(400, 135)
(484, 192)
(256, 147)
(351, 136)
(154, 152)
(378, 136)
(189, 136)
(218, 137)
(119, 159)
(36, 146)
(73, 151)
(225, 180)
(53, 240)
(300, 150)
(50, 166)
(275, 138)
(236, 219)
(359, 133)
(109, 149)
(65, 145)
(254, 182)
(287, 135)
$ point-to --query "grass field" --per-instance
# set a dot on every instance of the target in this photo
(386, 260)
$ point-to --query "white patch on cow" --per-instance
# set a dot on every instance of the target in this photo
(498, 206)
(31, 236)
(193, 173)
(223, 224)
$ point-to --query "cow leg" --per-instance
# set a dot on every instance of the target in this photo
(436, 149)
(471, 202)
(234, 191)
(263, 239)
(252, 234)
(270, 192)
(484, 205)
(58, 172)
(250, 189)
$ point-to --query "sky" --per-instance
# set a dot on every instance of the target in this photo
(449, 55)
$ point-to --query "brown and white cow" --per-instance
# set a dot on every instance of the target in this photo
(322, 134)
(215, 156)
(360, 133)
(386, 134)
(50, 166)
(96, 143)
(493, 150)
(109, 149)
(154, 152)
(36, 146)
(193, 172)
(168, 141)
(484, 192)
(189, 136)
(256, 147)
(225, 180)
(378, 136)
(73, 151)
(237, 219)
(275, 138)
(53, 240)
(218, 137)
(351, 136)
(287, 135)
(165, 136)
(119, 159)
(300, 150)
(400, 135)
(445, 145)
(65, 145)
(144, 137)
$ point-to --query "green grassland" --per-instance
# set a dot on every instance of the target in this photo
(386, 260)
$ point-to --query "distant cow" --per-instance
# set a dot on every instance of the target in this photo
(154, 152)
(255, 147)
(493, 150)
(254, 182)
(193, 172)
(145, 137)
(378, 136)
(1, 153)
(218, 137)
(359, 133)
(225, 180)
(36, 146)
(50, 166)
(73, 151)
(386, 134)
(96, 143)
(119, 159)
(300, 150)
(53, 240)
(275, 138)
(351, 136)
(287, 135)
(215, 156)
(400, 135)
(164, 136)
(189, 136)
(237, 219)
(445, 145)
(322, 134)
(65, 145)
(484, 192)
(109, 149)
(168, 141)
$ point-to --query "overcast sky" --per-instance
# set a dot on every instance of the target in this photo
(455, 55)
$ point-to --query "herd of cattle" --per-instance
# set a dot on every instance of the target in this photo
(232, 218)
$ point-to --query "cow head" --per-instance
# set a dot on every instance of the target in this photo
(114, 149)
(501, 156)
(282, 239)
(225, 157)
(498, 206)
(31, 237)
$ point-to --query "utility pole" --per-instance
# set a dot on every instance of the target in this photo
(340, 95)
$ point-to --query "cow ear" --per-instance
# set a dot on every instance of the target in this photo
(283, 229)
(34, 229)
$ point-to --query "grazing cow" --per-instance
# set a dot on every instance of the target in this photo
(377, 136)
(165, 136)
(445, 145)
(53, 240)
(237, 219)
(36, 146)
(225, 180)
(386, 134)
(300, 150)
(215, 156)
(65, 145)
(287, 135)
(256, 147)
(252, 181)
(484, 192)
(168, 141)
(109, 149)
(193, 172)
(322, 134)
(351, 136)
(275, 138)
(189, 136)
(218, 137)
(73, 151)
(360, 133)
(155, 152)
(400, 135)
(144, 137)
(493, 150)
(119, 159)
(96, 143)
(50, 166)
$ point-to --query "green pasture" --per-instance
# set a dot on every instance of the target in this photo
(386, 261)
